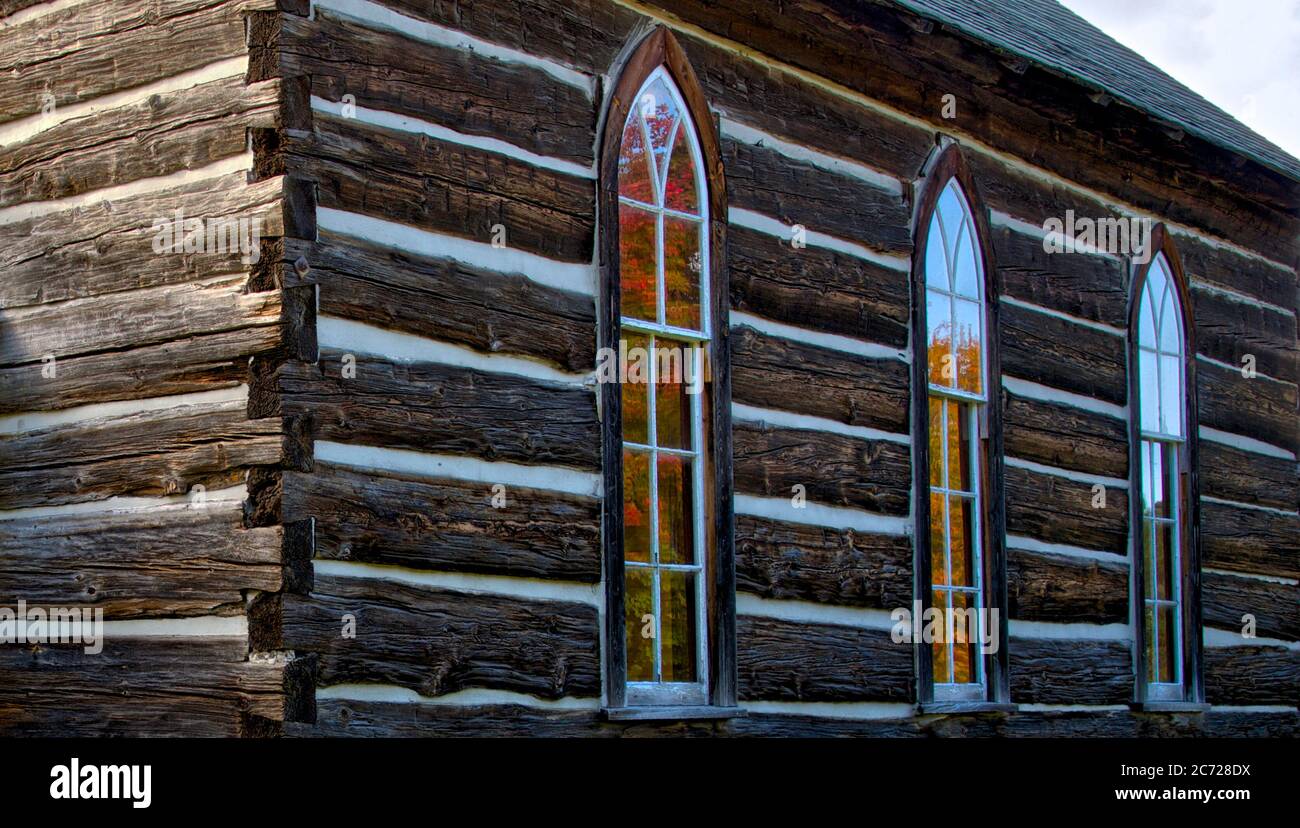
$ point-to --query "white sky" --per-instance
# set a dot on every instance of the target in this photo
(1242, 55)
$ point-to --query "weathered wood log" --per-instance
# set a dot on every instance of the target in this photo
(771, 372)
(889, 54)
(834, 469)
(441, 408)
(435, 642)
(1258, 407)
(1226, 599)
(782, 660)
(437, 185)
(487, 311)
(796, 192)
(1224, 267)
(1248, 675)
(1247, 477)
(167, 133)
(444, 85)
(150, 453)
(1059, 671)
(76, 54)
(446, 524)
(1063, 436)
(791, 561)
(1079, 284)
(1249, 540)
(815, 288)
(1064, 589)
(178, 562)
(109, 247)
(141, 687)
(1232, 331)
(1057, 510)
(1063, 354)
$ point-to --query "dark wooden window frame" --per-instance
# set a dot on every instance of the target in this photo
(660, 48)
(945, 164)
(1188, 492)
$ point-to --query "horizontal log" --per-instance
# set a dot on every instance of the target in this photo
(1063, 354)
(791, 561)
(477, 95)
(1079, 284)
(77, 54)
(487, 311)
(832, 468)
(782, 660)
(1058, 510)
(141, 687)
(108, 247)
(384, 518)
(1227, 599)
(164, 134)
(771, 372)
(816, 288)
(435, 642)
(805, 113)
(796, 192)
(441, 408)
(1231, 331)
(1226, 268)
(1063, 436)
(1249, 540)
(1252, 675)
(1059, 671)
(1247, 477)
(150, 453)
(1257, 407)
(442, 186)
(1064, 589)
(355, 719)
(187, 562)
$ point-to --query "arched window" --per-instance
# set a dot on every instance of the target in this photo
(1165, 571)
(669, 562)
(958, 451)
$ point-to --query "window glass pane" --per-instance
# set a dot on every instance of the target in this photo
(968, 343)
(634, 164)
(683, 263)
(1147, 322)
(936, 263)
(1155, 285)
(938, 319)
(959, 446)
(636, 506)
(672, 402)
(1162, 560)
(951, 212)
(638, 613)
(962, 541)
(938, 539)
(1148, 389)
(965, 637)
(1168, 658)
(677, 606)
(966, 275)
(1158, 505)
(676, 527)
(659, 109)
(680, 192)
(1171, 395)
(1148, 557)
(939, 648)
(1150, 642)
(636, 396)
(637, 263)
(936, 441)
(1171, 341)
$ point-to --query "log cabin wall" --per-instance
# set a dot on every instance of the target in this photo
(137, 475)
(453, 364)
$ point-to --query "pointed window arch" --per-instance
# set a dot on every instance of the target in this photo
(669, 570)
(1166, 570)
(960, 566)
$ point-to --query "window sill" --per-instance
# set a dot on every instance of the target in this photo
(1157, 706)
(957, 707)
(670, 713)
